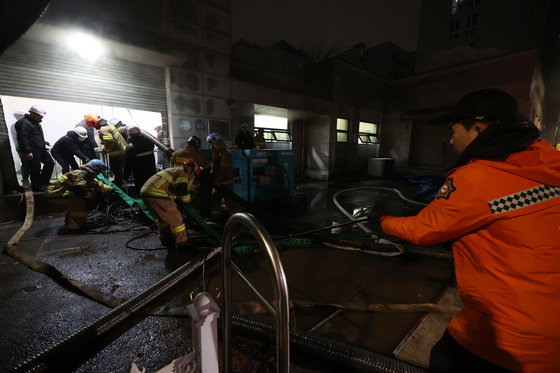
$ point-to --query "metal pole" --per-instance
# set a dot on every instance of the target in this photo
(282, 314)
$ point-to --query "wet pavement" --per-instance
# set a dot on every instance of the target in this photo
(124, 258)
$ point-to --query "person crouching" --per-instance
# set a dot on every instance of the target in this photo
(161, 194)
(74, 189)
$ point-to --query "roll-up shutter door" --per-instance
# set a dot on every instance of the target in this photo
(31, 69)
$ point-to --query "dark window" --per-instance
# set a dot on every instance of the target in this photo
(454, 29)
(470, 25)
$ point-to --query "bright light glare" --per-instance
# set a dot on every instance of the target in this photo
(268, 121)
(87, 46)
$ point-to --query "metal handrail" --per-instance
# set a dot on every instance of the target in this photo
(281, 313)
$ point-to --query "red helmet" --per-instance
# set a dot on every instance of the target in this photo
(192, 165)
(91, 120)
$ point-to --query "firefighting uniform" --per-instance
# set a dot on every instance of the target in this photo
(260, 141)
(222, 169)
(160, 194)
(189, 153)
(114, 145)
(503, 218)
(74, 189)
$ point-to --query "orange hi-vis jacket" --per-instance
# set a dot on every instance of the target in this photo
(503, 218)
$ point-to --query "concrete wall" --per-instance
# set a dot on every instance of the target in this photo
(414, 101)
(503, 27)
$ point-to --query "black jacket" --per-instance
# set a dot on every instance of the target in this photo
(244, 140)
(140, 157)
(30, 136)
(70, 145)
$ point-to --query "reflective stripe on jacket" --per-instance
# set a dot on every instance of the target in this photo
(81, 179)
(503, 218)
(112, 141)
(188, 153)
(171, 183)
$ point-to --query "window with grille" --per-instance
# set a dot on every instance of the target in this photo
(367, 133)
(470, 25)
(454, 29)
(275, 128)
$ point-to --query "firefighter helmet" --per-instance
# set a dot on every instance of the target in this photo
(214, 138)
(96, 165)
(189, 164)
(194, 168)
(133, 129)
(91, 120)
(194, 141)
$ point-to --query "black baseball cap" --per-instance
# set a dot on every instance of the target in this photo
(485, 105)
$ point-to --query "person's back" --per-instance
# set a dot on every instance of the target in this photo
(244, 139)
(188, 153)
(223, 164)
(259, 140)
(68, 146)
(140, 158)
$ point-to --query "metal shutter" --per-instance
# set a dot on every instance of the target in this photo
(37, 70)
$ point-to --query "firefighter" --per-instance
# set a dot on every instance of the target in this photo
(259, 140)
(121, 127)
(202, 186)
(112, 144)
(161, 193)
(74, 189)
(222, 170)
(190, 153)
(140, 159)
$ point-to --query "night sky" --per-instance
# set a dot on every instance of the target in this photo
(332, 24)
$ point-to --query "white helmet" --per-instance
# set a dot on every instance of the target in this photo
(38, 110)
(81, 132)
(114, 121)
(18, 114)
(133, 129)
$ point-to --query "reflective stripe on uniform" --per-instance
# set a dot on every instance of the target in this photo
(178, 229)
(154, 192)
(524, 198)
(186, 198)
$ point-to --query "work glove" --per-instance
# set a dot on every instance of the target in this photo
(377, 213)
(169, 152)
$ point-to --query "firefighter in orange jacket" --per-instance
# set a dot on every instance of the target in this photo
(161, 193)
(500, 207)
